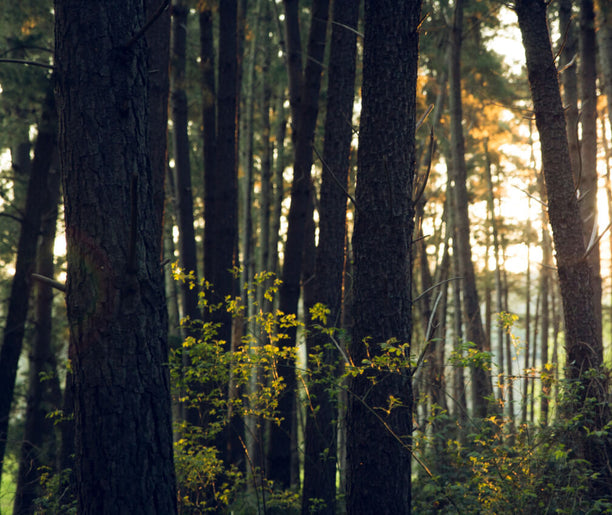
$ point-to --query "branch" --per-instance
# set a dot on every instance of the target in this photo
(146, 26)
(28, 63)
(51, 282)
(326, 166)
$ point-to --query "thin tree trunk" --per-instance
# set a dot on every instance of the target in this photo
(182, 167)
(321, 435)
(481, 379)
(569, 81)
(528, 350)
(545, 283)
(498, 273)
(588, 149)
(24, 266)
(459, 391)
(304, 112)
(44, 394)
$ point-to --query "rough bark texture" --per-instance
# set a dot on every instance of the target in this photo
(321, 436)
(21, 287)
(115, 297)
(378, 453)
(304, 111)
(482, 388)
(583, 346)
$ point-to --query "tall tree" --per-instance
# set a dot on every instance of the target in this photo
(115, 296)
(587, 182)
(379, 445)
(304, 86)
(181, 152)
(220, 206)
(14, 329)
(482, 388)
(38, 446)
(582, 343)
(320, 435)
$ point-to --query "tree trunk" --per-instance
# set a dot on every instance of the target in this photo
(182, 168)
(545, 289)
(482, 388)
(24, 266)
(498, 274)
(588, 149)
(320, 435)
(604, 43)
(569, 81)
(304, 112)
(379, 444)
(39, 444)
(115, 296)
(583, 346)
(220, 206)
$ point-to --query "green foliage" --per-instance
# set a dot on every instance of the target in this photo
(496, 468)
(495, 471)
(217, 383)
(55, 497)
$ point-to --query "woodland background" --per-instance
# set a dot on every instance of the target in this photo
(386, 256)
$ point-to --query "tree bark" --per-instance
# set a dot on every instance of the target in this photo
(182, 167)
(569, 81)
(38, 447)
(587, 185)
(320, 435)
(379, 442)
(583, 346)
(25, 264)
(304, 112)
(482, 388)
(221, 190)
(115, 296)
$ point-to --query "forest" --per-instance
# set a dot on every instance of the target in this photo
(328, 256)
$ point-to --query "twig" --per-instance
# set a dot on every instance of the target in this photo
(146, 26)
(326, 166)
(51, 282)
(435, 286)
(28, 63)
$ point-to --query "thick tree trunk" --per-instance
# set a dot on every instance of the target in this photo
(115, 297)
(583, 346)
(304, 110)
(482, 388)
(379, 442)
(320, 435)
(21, 287)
